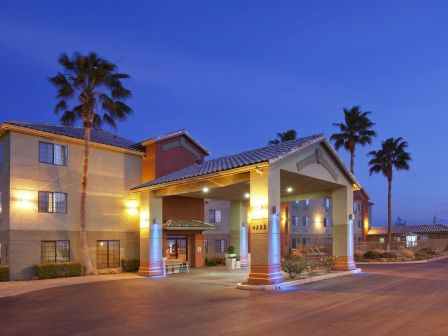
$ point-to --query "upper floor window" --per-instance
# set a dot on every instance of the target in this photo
(52, 153)
(214, 216)
(307, 202)
(220, 246)
(294, 220)
(55, 202)
(306, 221)
(326, 222)
(327, 202)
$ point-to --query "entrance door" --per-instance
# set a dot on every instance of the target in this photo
(176, 248)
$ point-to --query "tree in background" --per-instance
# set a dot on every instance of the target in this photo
(94, 88)
(355, 130)
(392, 156)
(284, 136)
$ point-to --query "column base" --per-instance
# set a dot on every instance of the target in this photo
(244, 262)
(151, 269)
(265, 275)
(344, 263)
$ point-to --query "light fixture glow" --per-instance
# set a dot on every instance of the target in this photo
(205, 189)
(289, 189)
(246, 195)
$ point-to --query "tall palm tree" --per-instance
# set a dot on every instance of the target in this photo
(392, 155)
(284, 136)
(93, 87)
(357, 130)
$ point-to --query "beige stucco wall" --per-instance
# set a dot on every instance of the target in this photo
(112, 210)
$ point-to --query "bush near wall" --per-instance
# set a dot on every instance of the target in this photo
(130, 265)
(4, 273)
(58, 270)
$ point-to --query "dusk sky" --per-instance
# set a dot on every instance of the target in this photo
(233, 73)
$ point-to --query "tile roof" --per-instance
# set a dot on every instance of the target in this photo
(97, 135)
(259, 155)
(180, 224)
(428, 228)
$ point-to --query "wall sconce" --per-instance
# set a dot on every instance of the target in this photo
(132, 207)
(24, 200)
(144, 223)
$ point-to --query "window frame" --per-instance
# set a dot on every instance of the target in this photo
(108, 254)
(53, 154)
(212, 214)
(222, 247)
(54, 206)
(55, 246)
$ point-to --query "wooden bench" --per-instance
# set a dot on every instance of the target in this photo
(176, 266)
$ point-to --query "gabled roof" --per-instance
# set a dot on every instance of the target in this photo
(400, 229)
(180, 224)
(97, 135)
(174, 134)
(267, 154)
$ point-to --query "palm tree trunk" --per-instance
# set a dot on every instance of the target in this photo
(389, 214)
(85, 257)
(352, 161)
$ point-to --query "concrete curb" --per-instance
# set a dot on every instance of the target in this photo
(298, 282)
(400, 262)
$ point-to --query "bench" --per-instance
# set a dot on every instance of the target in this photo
(176, 266)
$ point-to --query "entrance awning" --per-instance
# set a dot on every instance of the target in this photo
(183, 225)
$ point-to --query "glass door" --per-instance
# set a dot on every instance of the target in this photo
(177, 248)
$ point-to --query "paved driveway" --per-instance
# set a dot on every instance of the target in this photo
(385, 300)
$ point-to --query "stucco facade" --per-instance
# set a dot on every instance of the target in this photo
(111, 207)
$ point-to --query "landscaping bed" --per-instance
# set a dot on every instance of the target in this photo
(404, 255)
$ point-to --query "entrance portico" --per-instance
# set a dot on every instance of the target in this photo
(259, 180)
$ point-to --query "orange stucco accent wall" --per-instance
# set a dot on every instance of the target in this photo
(187, 208)
(362, 197)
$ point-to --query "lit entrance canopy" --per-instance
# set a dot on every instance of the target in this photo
(304, 168)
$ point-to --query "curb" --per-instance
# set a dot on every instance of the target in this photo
(400, 262)
(293, 283)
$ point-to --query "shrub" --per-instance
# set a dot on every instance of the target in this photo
(231, 249)
(359, 257)
(293, 266)
(4, 273)
(58, 270)
(130, 265)
(215, 262)
(372, 255)
(328, 263)
(406, 253)
(428, 251)
(421, 256)
(388, 255)
(310, 268)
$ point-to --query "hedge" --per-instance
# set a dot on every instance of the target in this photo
(58, 270)
(4, 273)
(130, 265)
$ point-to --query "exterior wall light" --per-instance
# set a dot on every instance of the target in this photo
(24, 199)
(132, 207)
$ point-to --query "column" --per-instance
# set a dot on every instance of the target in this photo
(343, 228)
(264, 226)
(238, 231)
(151, 237)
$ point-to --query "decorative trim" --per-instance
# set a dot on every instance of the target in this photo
(181, 143)
(319, 158)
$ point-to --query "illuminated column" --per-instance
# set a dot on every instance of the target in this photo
(238, 231)
(151, 237)
(343, 228)
(264, 226)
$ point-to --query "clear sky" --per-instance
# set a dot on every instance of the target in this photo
(236, 72)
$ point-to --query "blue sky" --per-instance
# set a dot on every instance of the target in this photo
(236, 72)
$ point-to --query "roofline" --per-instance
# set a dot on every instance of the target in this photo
(232, 171)
(5, 127)
(172, 135)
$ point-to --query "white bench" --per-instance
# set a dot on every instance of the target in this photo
(176, 266)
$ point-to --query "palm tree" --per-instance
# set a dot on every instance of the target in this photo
(357, 130)
(392, 155)
(284, 136)
(93, 86)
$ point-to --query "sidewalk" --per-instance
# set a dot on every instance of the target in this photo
(12, 288)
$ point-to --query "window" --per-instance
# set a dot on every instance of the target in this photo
(214, 216)
(54, 202)
(304, 241)
(305, 221)
(206, 245)
(326, 222)
(52, 153)
(306, 202)
(359, 223)
(327, 203)
(381, 240)
(220, 246)
(294, 243)
(294, 220)
(107, 254)
(54, 251)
